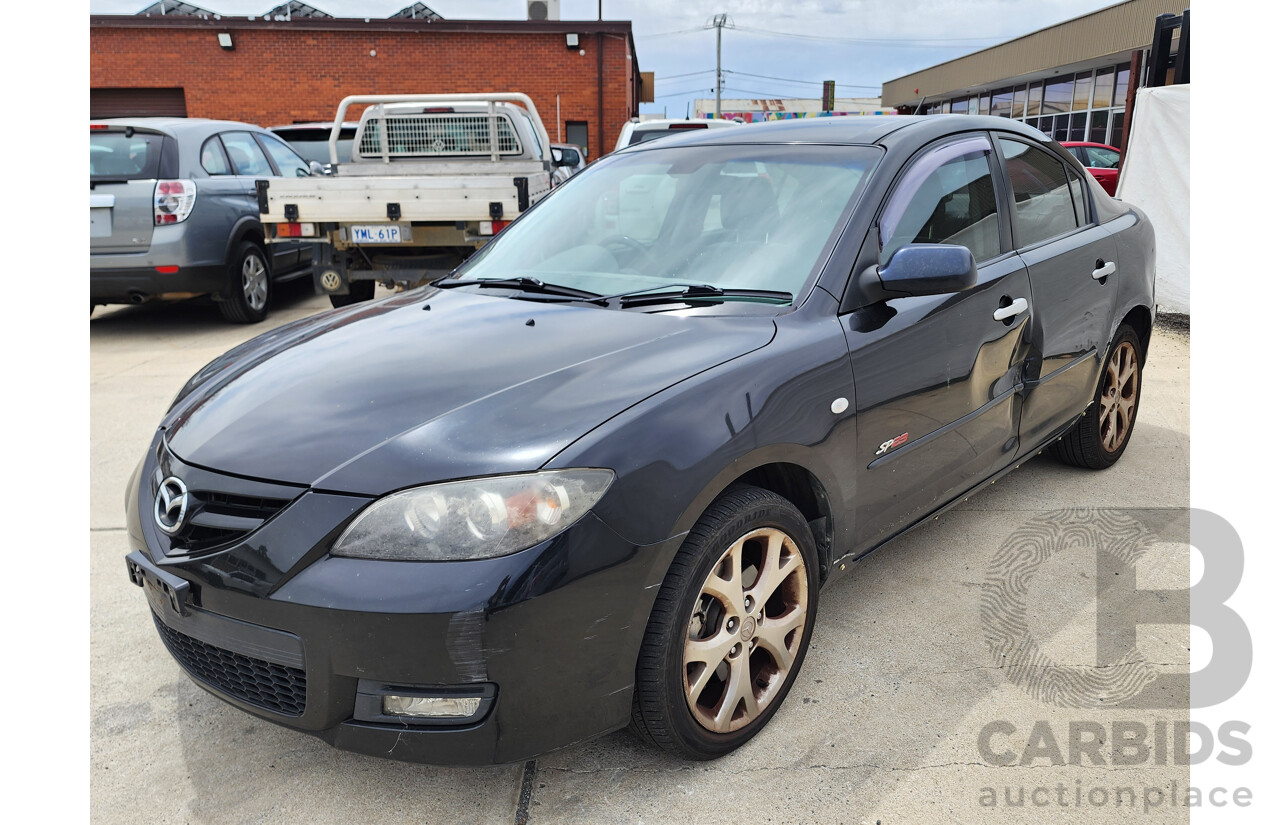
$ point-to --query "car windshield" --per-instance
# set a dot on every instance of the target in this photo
(733, 217)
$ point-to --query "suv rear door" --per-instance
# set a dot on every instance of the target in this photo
(124, 164)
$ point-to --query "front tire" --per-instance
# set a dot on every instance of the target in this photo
(1100, 436)
(248, 295)
(729, 628)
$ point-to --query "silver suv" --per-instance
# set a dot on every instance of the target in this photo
(173, 213)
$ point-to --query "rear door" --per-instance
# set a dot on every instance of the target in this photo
(1068, 255)
(937, 376)
(123, 169)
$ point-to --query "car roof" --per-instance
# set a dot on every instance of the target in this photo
(846, 129)
(178, 126)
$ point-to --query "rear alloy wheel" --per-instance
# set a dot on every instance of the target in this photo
(249, 286)
(1098, 439)
(729, 628)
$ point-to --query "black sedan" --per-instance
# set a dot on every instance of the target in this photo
(598, 476)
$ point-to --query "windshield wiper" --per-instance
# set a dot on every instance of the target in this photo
(705, 292)
(524, 284)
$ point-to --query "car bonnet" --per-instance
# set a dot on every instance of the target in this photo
(436, 385)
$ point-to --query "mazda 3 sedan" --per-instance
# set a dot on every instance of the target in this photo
(600, 474)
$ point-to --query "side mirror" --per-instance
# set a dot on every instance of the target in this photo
(557, 156)
(317, 168)
(928, 269)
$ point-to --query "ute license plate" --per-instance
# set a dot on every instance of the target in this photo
(375, 234)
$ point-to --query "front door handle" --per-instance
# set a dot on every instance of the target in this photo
(1016, 307)
(1104, 269)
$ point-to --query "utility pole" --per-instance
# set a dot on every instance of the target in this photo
(718, 21)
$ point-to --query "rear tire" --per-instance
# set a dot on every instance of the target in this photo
(1099, 438)
(729, 628)
(359, 291)
(248, 295)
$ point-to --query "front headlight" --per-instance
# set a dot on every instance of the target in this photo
(478, 519)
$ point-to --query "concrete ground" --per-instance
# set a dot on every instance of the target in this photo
(883, 724)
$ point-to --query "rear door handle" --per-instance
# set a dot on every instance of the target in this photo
(1104, 270)
(1016, 307)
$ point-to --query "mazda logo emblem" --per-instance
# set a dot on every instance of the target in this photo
(171, 505)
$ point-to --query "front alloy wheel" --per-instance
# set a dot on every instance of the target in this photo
(729, 628)
(745, 630)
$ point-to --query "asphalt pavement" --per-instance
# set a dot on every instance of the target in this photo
(905, 710)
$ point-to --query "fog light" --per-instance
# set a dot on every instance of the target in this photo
(434, 707)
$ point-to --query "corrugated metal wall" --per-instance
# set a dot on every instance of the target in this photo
(1120, 28)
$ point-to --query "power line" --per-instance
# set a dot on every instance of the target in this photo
(688, 74)
(688, 92)
(796, 80)
(671, 34)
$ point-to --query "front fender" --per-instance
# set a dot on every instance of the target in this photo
(675, 452)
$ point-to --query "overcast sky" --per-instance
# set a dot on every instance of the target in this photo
(858, 43)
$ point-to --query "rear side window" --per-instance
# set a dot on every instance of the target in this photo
(1043, 204)
(212, 159)
(246, 155)
(112, 156)
(286, 160)
(947, 197)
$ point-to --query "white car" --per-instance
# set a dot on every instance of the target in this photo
(638, 131)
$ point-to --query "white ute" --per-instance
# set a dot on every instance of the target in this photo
(432, 178)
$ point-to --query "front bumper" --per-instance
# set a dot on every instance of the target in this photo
(551, 633)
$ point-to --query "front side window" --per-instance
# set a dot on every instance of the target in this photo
(246, 155)
(948, 197)
(1043, 203)
(743, 217)
(286, 160)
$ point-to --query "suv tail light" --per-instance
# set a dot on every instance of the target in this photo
(174, 200)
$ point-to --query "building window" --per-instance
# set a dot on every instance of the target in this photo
(1077, 128)
(1122, 85)
(1057, 97)
(973, 105)
(1098, 126)
(1033, 99)
(1002, 103)
(1103, 87)
(575, 132)
(1117, 127)
(1080, 102)
(1019, 102)
(960, 106)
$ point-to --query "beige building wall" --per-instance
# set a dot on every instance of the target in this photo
(1117, 29)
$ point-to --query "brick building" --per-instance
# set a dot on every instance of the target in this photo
(581, 75)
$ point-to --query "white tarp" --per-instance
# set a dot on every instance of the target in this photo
(1156, 177)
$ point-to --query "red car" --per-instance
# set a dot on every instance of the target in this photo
(1102, 161)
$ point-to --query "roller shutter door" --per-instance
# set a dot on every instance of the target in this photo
(137, 103)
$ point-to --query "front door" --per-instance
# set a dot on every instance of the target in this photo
(937, 378)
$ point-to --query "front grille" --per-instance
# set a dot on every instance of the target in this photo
(269, 686)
